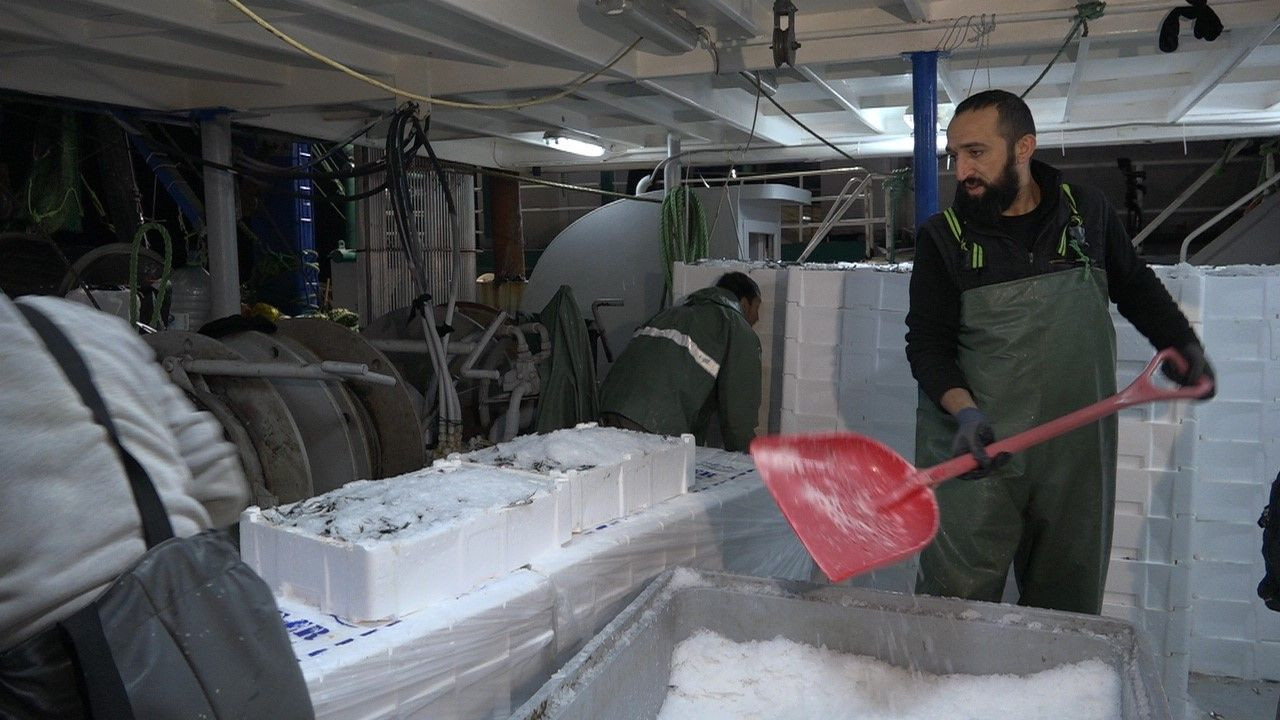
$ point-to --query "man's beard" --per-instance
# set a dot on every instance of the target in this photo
(997, 197)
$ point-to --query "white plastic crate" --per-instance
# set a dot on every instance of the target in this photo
(479, 523)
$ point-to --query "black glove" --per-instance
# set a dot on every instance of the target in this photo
(972, 437)
(1197, 367)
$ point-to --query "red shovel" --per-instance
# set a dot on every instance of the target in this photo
(857, 505)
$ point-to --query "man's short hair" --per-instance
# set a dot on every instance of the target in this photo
(1014, 116)
(740, 284)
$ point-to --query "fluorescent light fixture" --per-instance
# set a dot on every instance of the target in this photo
(572, 145)
(655, 21)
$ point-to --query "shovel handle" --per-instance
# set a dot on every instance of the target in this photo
(1140, 391)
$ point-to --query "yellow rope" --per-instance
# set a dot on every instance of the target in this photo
(427, 98)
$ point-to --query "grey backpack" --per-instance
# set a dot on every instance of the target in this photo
(188, 631)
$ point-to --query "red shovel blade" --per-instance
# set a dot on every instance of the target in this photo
(848, 527)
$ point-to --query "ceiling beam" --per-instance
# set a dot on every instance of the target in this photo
(392, 29)
(848, 102)
(947, 81)
(916, 10)
(167, 57)
(733, 107)
(649, 110)
(1077, 78)
(1239, 44)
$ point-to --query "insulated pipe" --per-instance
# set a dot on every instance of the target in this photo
(474, 356)
(220, 216)
(324, 370)
(671, 173)
(924, 97)
(513, 411)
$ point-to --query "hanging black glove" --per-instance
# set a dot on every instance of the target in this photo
(1207, 24)
(1197, 367)
(972, 437)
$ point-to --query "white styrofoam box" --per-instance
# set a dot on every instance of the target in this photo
(1219, 656)
(1145, 492)
(815, 397)
(820, 326)
(596, 495)
(1248, 339)
(899, 436)
(859, 329)
(792, 329)
(1131, 345)
(1235, 542)
(1157, 446)
(791, 355)
(1231, 420)
(820, 288)
(894, 291)
(1235, 502)
(1241, 379)
(795, 423)
(892, 331)
(891, 403)
(857, 366)
(854, 404)
(1227, 619)
(379, 579)
(818, 362)
(1128, 538)
(862, 290)
(790, 392)
(1267, 658)
(892, 368)
(637, 482)
(1213, 580)
(1267, 622)
(599, 491)
(1226, 461)
(1234, 297)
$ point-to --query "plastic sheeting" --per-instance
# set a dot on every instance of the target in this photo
(482, 654)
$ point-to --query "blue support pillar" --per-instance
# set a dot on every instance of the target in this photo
(924, 97)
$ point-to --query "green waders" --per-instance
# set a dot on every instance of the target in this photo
(1031, 350)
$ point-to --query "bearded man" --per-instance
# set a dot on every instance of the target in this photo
(1010, 327)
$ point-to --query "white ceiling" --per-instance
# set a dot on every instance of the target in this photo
(851, 83)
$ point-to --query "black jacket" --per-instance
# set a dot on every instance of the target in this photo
(943, 271)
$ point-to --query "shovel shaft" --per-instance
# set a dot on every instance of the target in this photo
(1140, 391)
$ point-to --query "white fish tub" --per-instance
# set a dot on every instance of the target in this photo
(375, 550)
(625, 670)
(608, 473)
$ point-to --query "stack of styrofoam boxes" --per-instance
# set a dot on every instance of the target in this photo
(370, 580)
(1238, 453)
(664, 469)
(1149, 573)
(846, 368)
(772, 280)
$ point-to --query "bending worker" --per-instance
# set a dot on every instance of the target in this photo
(1009, 327)
(690, 361)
